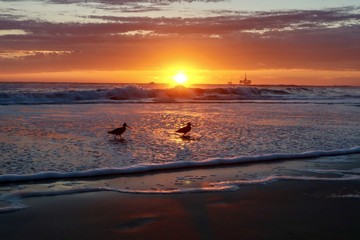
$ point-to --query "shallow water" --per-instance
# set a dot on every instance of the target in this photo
(267, 134)
(298, 141)
(68, 138)
(332, 169)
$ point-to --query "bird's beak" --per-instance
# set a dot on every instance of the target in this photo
(129, 127)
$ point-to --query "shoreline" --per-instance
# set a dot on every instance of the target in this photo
(281, 210)
(180, 166)
(285, 209)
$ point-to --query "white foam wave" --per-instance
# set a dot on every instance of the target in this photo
(357, 196)
(46, 94)
(335, 161)
(15, 199)
(271, 179)
(175, 165)
(331, 171)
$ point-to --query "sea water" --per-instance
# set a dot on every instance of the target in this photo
(59, 131)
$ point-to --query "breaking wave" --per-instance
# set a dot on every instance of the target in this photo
(14, 200)
(146, 168)
(68, 94)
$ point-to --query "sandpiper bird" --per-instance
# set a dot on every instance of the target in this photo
(119, 131)
(185, 130)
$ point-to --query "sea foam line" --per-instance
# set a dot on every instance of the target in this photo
(69, 94)
(146, 168)
(15, 199)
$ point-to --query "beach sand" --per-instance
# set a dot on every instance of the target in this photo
(280, 210)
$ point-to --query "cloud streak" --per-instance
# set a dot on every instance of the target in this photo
(312, 39)
(123, 2)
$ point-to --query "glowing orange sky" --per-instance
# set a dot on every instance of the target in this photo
(214, 41)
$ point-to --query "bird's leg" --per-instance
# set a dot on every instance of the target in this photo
(115, 137)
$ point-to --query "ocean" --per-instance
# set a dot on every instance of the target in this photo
(54, 139)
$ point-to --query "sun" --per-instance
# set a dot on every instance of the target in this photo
(180, 78)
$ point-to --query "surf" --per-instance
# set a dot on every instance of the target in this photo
(150, 167)
(46, 93)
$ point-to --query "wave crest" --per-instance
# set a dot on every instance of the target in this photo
(146, 168)
(82, 94)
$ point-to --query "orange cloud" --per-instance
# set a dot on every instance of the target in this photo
(317, 40)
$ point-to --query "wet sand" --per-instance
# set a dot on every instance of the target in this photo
(281, 210)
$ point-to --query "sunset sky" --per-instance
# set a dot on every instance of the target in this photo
(311, 42)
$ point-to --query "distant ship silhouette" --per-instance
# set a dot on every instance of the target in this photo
(245, 81)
